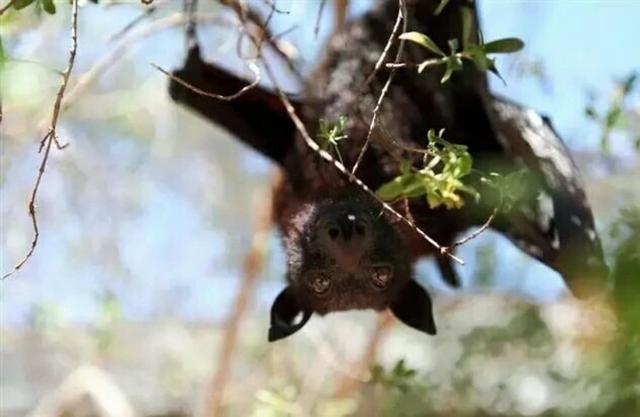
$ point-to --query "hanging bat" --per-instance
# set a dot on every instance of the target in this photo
(343, 250)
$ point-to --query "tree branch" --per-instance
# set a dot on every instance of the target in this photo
(49, 139)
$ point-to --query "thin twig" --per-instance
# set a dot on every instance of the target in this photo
(6, 7)
(247, 15)
(254, 68)
(111, 57)
(316, 30)
(50, 138)
(476, 232)
(146, 13)
(402, 11)
(189, 11)
(421, 66)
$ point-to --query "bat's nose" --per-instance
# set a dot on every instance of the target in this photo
(347, 229)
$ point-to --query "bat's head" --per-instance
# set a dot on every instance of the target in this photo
(343, 254)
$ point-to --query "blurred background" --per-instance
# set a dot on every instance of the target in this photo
(147, 216)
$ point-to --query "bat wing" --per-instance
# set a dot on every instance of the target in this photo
(557, 226)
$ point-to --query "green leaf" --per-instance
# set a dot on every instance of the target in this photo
(479, 58)
(422, 40)
(21, 4)
(464, 164)
(413, 185)
(491, 66)
(48, 6)
(391, 190)
(453, 64)
(612, 116)
(3, 57)
(628, 83)
(503, 46)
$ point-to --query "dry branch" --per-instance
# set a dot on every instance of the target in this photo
(402, 17)
(254, 68)
(6, 7)
(252, 267)
(50, 138)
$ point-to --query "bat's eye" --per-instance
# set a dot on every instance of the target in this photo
(319, 282)
(381, 276)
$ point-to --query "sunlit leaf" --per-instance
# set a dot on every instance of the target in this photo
(503, 46)
(391, 190)
(48, 6)
(21, 4)
(423, 40)
(453, 64)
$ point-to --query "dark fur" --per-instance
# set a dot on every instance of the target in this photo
(554, 224)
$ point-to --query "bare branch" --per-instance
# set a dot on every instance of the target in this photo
(6, 7)
(254, 68)
(252, 266)
(189, 11)
(319, 17)
(147, 12)
(110, 58)
(50, 138)
(476, 232)
(402, 13)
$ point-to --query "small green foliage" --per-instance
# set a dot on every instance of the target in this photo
(399, 378)
(3, 56)
(618, 116)
(503, 46)
(277, 402)
(21, 4)
(511, 188)
(329, 134)
(476, 53)
(439, 179)
(423, 40)
(48, 6)
(110, 316)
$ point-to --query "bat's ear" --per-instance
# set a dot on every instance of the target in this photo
(284, 311)
(413, 308)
